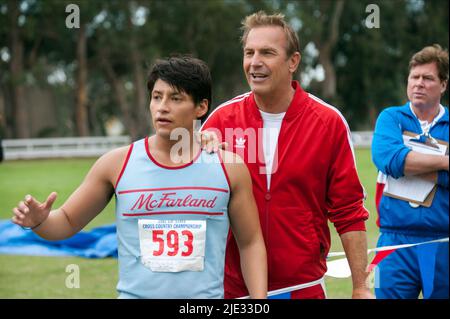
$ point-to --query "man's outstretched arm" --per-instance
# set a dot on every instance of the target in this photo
(88, 200)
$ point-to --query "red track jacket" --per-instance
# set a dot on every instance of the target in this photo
(314, 180)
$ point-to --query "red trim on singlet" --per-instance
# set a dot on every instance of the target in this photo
(124, 165)
(173, 188)
(224, 170)
(168, 167)
(174, 213)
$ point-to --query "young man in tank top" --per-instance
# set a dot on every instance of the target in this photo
(174, 202)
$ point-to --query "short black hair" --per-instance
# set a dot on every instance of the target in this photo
(185, 73)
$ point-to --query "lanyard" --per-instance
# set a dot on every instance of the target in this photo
(426, 129)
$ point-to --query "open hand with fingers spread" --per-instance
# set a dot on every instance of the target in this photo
(31, 213)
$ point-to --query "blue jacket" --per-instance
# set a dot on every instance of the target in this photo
(388, 154)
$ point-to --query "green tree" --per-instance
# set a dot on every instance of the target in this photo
(370, 64)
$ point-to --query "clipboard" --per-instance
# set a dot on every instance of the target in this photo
(429, 198)
(426, 203)
(441, 142)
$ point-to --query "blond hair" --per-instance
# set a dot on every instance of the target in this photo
(430, 54)
(261, 19)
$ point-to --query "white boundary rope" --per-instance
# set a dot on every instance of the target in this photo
(441, 240)
(292, 288)
(337, 254)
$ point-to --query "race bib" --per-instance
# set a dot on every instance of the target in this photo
(172, 245)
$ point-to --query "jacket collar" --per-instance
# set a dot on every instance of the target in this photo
(295, 107)
(406, 109)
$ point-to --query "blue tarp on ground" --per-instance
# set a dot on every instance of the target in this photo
(99, 242)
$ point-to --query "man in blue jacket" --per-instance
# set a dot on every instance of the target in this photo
(422, 268)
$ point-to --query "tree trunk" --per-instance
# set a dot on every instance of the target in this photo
(328, 89)
(81, 111)
(373, 114)
(20, 114)
(3, 126)
(325, 52)
(140, 88)
(118, 89)
(143, 115)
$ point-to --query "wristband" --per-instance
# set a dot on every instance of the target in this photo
(31, 228)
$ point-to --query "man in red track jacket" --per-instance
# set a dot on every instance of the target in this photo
(300, 157)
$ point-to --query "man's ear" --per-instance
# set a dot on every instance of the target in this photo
(202, 108)
(294, 61)
(444, 86)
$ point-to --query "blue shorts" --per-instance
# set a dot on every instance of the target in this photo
(408, 271)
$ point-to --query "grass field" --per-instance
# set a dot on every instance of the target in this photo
(45, 277)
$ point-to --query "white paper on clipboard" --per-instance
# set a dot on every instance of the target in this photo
(411, 187)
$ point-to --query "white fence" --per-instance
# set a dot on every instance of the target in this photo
(61, 147)
(96, 146)
(362, 139)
